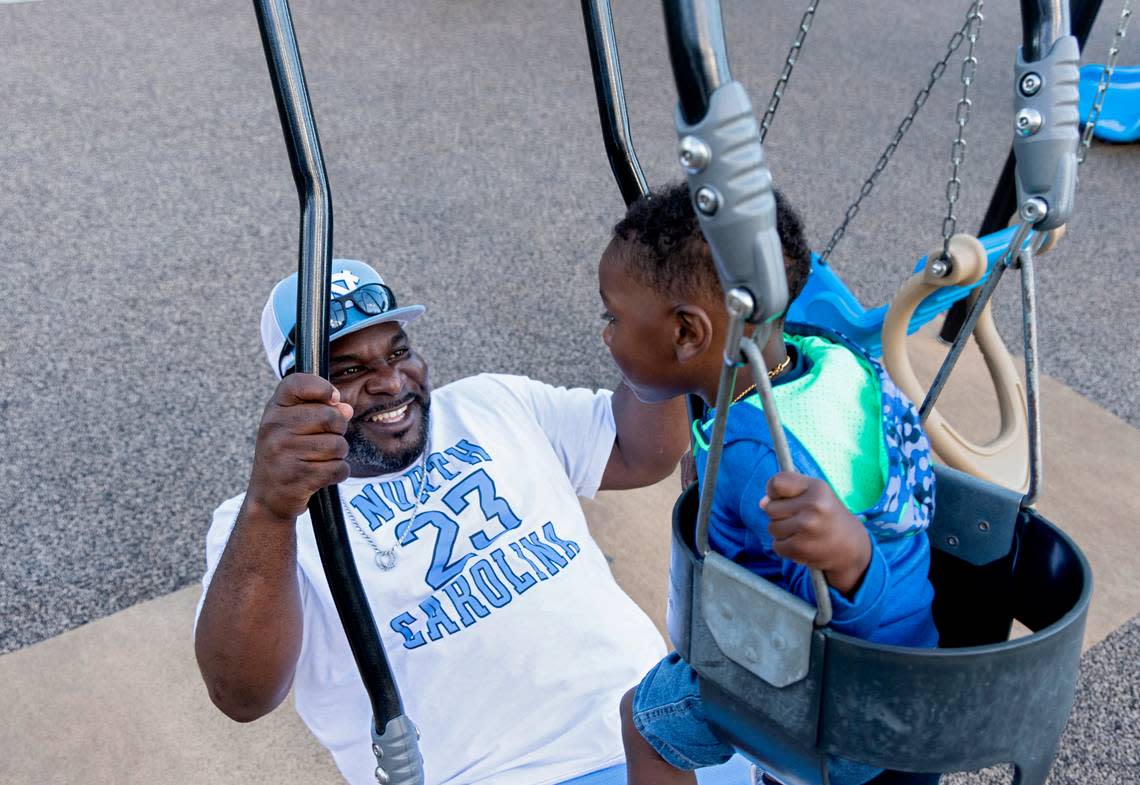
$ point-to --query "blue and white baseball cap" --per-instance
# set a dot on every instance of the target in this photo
(360, 299)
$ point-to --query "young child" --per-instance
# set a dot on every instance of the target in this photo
(856, 508)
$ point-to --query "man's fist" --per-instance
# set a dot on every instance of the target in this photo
(811, 526)
(300, 445)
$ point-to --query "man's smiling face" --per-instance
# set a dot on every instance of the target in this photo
(387, 385)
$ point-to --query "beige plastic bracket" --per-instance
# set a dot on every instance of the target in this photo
(1052, 237)
(1049, 241)
(1004, 459)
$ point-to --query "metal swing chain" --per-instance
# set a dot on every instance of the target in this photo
(1105, 80)
(952, 46)
(1025, 260)
(962, 117)
(786, 74)
(1032, 207)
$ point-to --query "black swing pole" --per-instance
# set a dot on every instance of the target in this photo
(697, 52)
(394, 736)
(1039, 20)
(602, 42)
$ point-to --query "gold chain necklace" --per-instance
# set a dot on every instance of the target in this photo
(773, 372)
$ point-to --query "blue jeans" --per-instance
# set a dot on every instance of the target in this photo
(668, 713)
(735, 772)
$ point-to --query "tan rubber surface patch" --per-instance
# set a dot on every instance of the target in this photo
(120, 702)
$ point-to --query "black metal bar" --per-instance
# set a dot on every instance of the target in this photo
(1080, 14)
(1003, 205)
(315, 262)
(1042, 23)
(602, 42)
(614, 115)
(698, 53)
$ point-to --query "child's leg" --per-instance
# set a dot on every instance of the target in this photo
(643, 765)
(666, 732)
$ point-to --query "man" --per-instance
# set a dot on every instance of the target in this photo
(508, 637)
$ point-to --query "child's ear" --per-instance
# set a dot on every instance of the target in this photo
(693, 332)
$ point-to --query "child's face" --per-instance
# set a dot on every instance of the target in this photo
(640, 329)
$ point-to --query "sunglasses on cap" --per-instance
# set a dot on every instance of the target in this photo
(372, 299)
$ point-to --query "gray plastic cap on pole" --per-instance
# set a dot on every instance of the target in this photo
(721, 153)
(397, 751)
(733, 197)
(1046, 130)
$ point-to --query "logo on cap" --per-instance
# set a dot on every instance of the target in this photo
(343, 282)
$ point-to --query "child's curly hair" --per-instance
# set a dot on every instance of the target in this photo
(677, 260)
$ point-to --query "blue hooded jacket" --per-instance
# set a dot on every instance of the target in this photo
(892, 603)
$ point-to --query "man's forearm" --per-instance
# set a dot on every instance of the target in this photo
(650, 440)
(249, 633)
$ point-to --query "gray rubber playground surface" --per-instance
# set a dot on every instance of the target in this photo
(146, 207)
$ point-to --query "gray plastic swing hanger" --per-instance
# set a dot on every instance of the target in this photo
(720, 152)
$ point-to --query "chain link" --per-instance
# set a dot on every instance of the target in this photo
(1105, 80)
(952, 46)
(789, 64)
(962, 118)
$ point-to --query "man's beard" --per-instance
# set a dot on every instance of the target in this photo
(364, 455)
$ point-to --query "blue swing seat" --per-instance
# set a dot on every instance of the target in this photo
(827, 302)
(1119, 119)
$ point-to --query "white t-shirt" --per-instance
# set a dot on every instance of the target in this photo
(508, 637)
